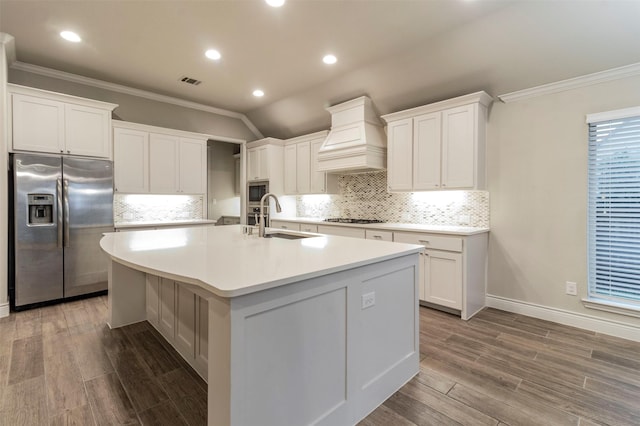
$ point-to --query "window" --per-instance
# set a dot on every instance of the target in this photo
(614, 206)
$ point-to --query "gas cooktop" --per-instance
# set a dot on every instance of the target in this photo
(345, 220)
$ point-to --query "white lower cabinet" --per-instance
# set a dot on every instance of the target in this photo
(290, 226)
(442, 279)
(181, 316)
(342, 231)
(305, 227)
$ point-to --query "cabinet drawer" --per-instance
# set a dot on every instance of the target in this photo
(430, 241)
(305, 227)
(285, 225)
(342, 231)
(371, 234)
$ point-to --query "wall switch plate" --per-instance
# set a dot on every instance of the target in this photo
(368, 300)
(127, 216)
(464, 219)
(572, 288)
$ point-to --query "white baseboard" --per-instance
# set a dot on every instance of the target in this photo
(587, 322)
(4, 310)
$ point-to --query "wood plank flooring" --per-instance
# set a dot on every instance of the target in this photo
(61, 365)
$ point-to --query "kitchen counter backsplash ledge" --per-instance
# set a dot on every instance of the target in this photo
(364, 195)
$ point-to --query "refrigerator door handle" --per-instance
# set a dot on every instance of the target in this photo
(65, 195)
(59, 214)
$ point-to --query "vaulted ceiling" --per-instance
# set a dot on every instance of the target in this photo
(402, 53)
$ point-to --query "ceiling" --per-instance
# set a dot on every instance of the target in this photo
(402, 53)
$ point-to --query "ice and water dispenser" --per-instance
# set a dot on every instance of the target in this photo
(40, 209)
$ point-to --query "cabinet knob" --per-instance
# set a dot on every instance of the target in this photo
(68, 152)
(62, 151)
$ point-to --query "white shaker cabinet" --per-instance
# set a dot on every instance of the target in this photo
(301, 175)
(181, 315)
(131, 160)
(163, 163)
(438, 146)
(150, 159)
(297, 168)
(265, 162)
(44, 121)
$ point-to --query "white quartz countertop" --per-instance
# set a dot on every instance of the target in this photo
(146, 224)
(224, 261)
(390, 226)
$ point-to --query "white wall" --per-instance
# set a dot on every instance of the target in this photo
(537, 171)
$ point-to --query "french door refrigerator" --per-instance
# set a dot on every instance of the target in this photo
(61, 207)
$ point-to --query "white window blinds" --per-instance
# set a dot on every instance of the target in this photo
(614, 209)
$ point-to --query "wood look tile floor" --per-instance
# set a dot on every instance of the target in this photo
(62, 365)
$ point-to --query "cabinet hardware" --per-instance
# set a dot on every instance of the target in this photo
(424, 241)
(377, 237)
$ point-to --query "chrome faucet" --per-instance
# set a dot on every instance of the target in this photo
(261, 231)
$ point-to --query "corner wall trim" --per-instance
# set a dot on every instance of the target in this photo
(561, 316)
(573, 83)
(4, 310)
(101, 84)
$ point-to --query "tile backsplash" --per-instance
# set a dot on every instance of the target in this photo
(156, 208)
(365, 196)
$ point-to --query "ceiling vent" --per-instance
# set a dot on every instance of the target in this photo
(189, 80)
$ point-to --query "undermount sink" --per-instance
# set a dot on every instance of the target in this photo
(286, 236)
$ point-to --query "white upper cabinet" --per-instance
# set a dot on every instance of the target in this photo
(265, 162)
(163, 163)
(192, 166)
(154, 160)
(51, 122)
(131, 160)
(438, 146)
(301, 175)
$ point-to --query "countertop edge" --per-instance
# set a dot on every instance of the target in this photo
(170, 223)
(391, 226)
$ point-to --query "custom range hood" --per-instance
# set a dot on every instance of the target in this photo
(356, 142)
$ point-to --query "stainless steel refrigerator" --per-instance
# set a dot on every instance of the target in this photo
(61, 207)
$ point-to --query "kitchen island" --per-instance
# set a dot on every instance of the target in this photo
(317, 330)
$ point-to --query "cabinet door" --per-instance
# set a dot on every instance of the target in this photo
(163, 163)
(193, 166)
(185, 321)
(87, 131)
(38, 124)
(399, 155)
(318, 179)
(263, 162)
(426, 151)
(443, 278)
(342, 231)
(458, 147)
(290, 170)
(253, 164)
(303, 169)
(131, 160)
(202, 336)
(153, 299)
(166, 318)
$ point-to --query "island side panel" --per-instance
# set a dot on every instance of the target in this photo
(219, 362)
(306, 353)
(126, 296)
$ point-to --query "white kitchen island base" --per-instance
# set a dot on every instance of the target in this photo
(308, 352)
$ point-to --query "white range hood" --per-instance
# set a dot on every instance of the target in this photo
(356, 142)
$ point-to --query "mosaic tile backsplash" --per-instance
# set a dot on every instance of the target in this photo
(365, 196)
(156, 208)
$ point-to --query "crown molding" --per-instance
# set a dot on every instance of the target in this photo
(573, 83)
(101, 84)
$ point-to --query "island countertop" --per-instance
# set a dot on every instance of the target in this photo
(229, 263)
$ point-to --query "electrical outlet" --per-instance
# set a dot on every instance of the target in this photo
(368, 300)
(464, 219)
(572, 288)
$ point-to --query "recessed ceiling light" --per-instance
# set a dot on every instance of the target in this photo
(275, 3)
(329, 59)
(258, 93)
(213, 54)
(70, 36)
